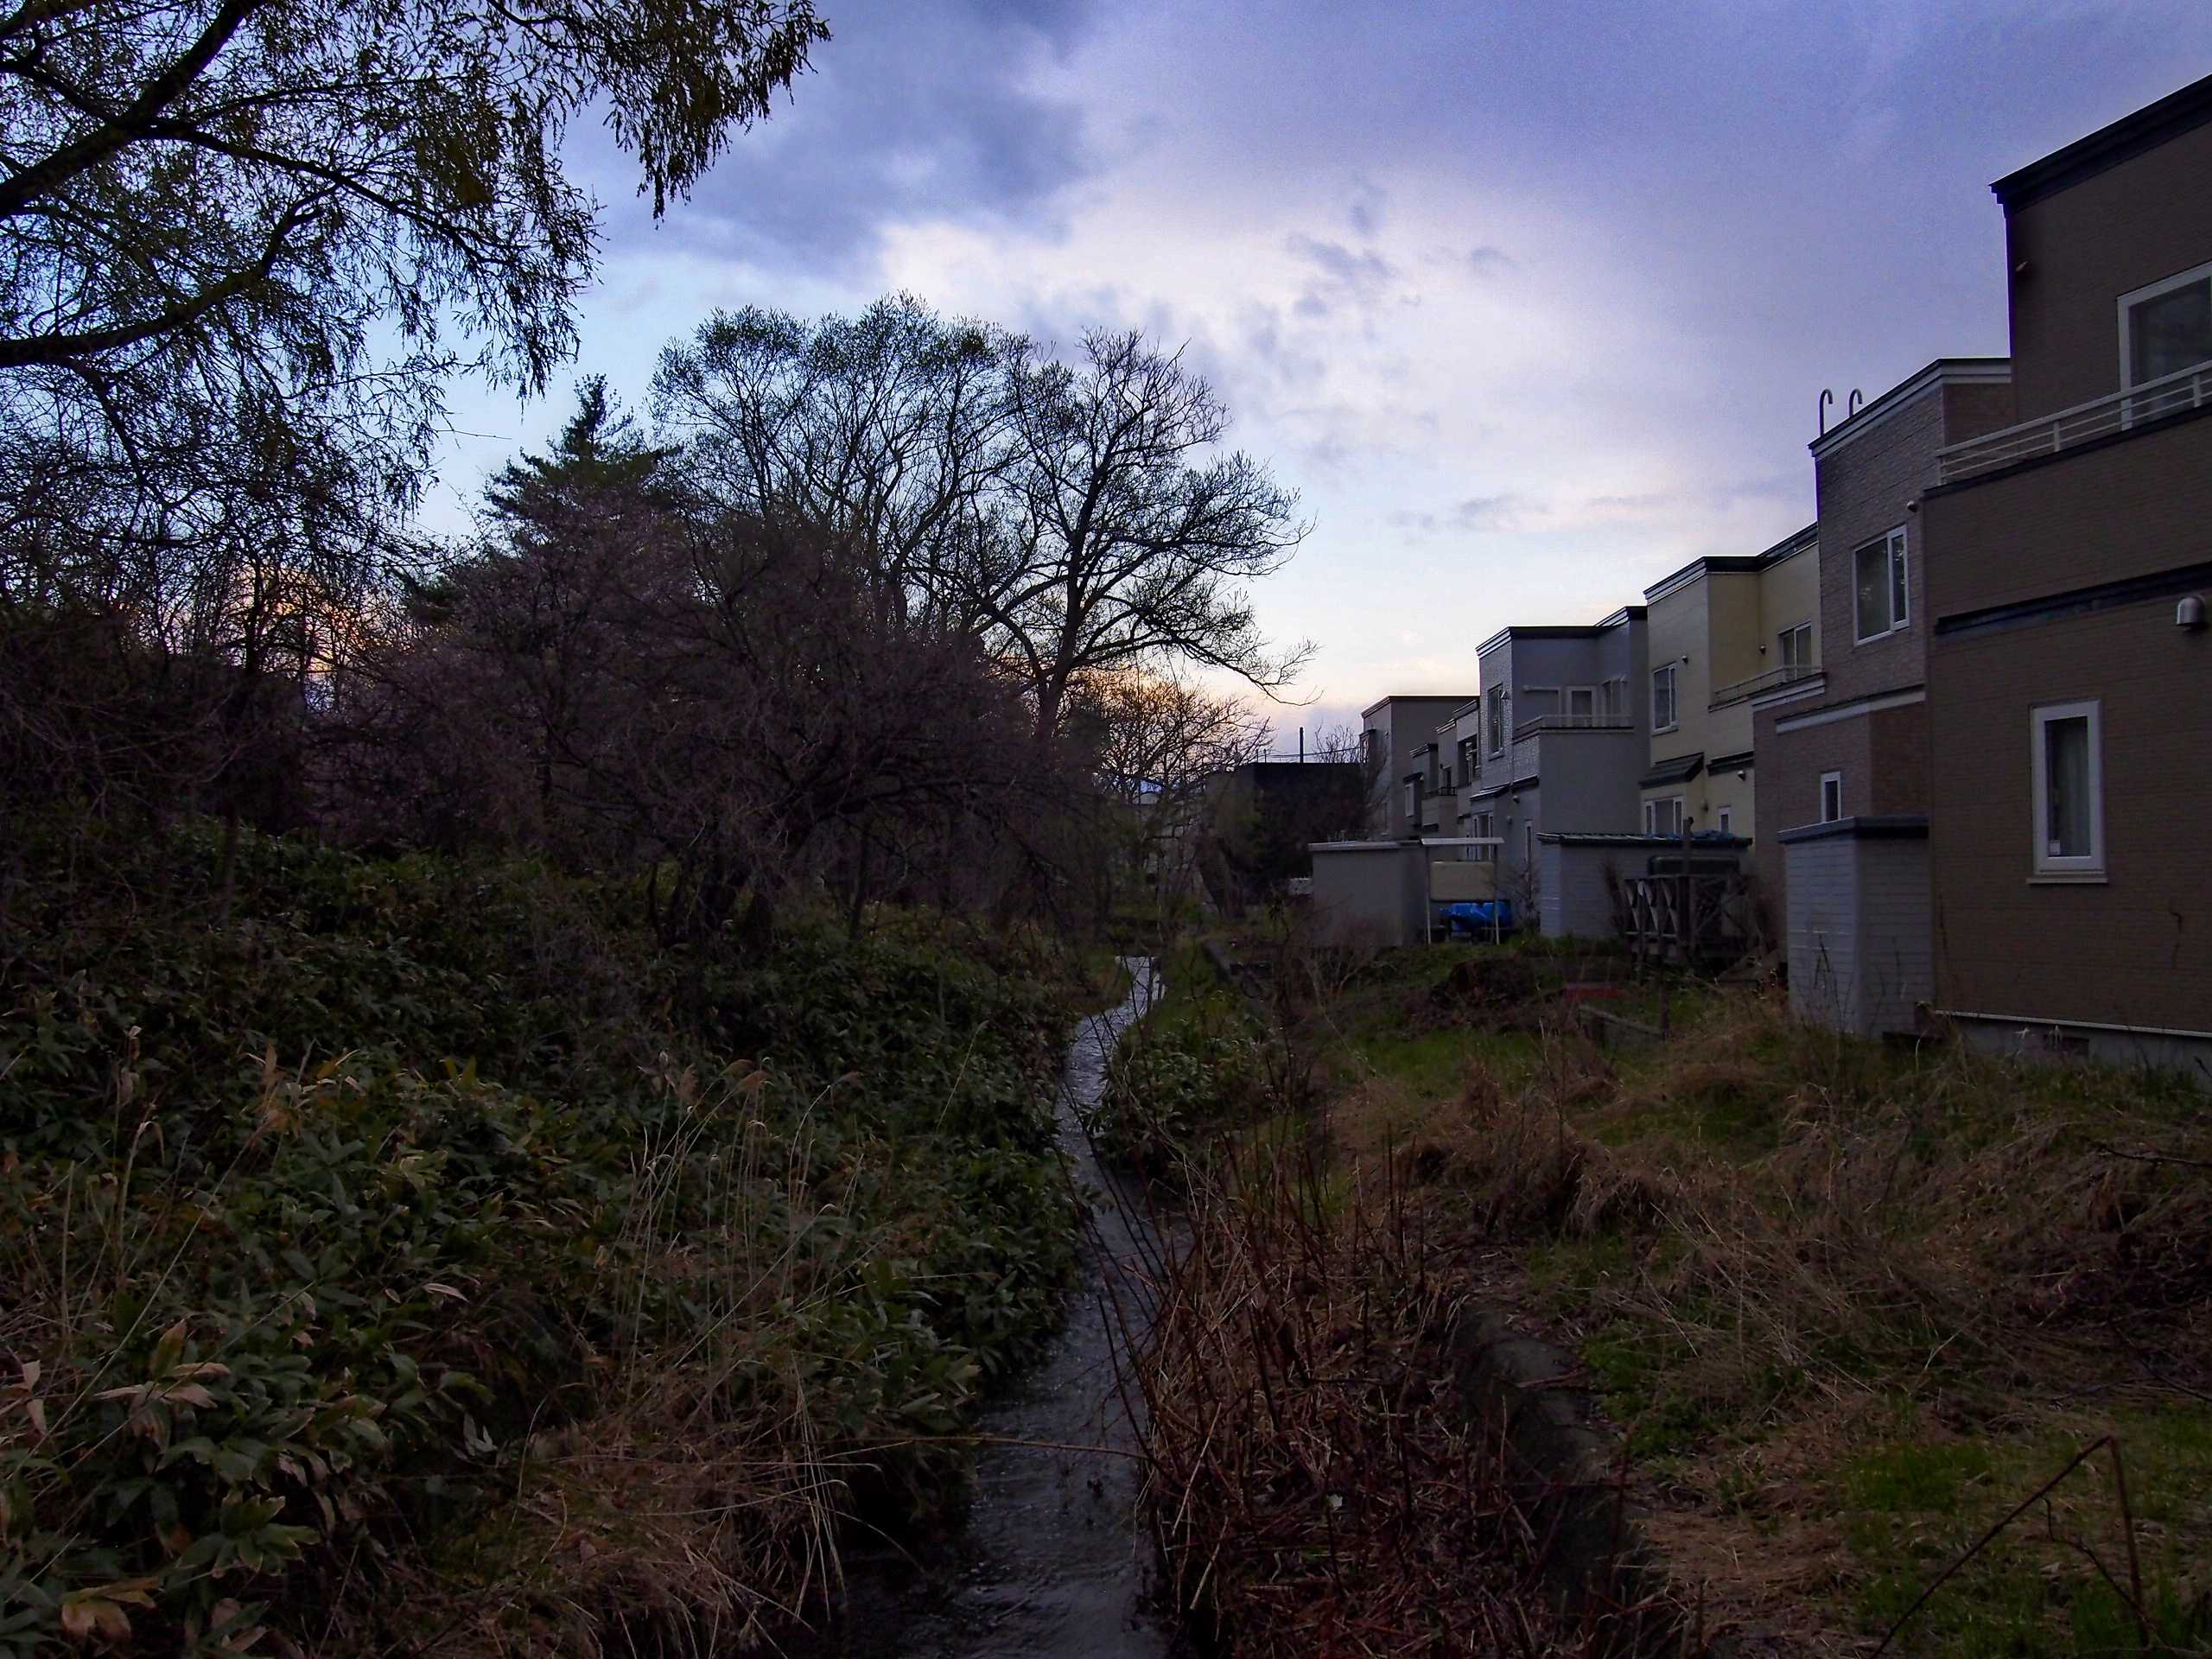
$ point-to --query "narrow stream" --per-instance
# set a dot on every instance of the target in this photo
(1047, 1560)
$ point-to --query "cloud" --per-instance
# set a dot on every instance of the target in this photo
(911, 113)
(1365, 214)
(1474, 515)
(1342, 276)
(1488, 261)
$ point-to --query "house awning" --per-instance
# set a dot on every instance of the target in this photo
(1679, 770)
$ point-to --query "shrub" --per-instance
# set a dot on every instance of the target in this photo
(343, 1232)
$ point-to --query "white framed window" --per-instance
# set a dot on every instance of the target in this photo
(1581, 702)
(2165, 326)
(1494, 718)
(1413, 800)
(1880, 571)
(1796, 645)
(1663, 816)
(1831, 796)
(1663, 698)
(2066, 759)
(1724, 820)
(1528, 846)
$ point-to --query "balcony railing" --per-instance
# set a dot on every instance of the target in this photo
(1737, 690)
(2069, 428)
(1573, 723)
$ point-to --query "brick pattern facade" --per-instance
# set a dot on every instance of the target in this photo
(2135, 948)
(1862, 489)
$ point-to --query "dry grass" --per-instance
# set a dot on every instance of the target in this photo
(1317, 1487)
(1782, 1253)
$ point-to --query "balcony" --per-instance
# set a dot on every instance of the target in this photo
(1573, 723)
(2069, 428)
(1737, 690)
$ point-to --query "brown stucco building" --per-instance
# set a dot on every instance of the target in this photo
(1843, 755)
(2067, 564)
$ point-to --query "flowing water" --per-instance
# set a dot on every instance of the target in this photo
(1047, 1559)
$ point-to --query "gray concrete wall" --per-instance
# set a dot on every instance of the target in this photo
(1823, 930)
(1859, 929)
(1896, 970)
(1371, 897)
(1577, 899)
(1589, 782)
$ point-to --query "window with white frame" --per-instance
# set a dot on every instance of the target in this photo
(1663, 698)
(1831, 796)
(2167, 327)
(2066, 755)
(1724, 820)
(1581, 702)
(1880, 570)
(1797, 646)
(1614, 697)
(1413, 800)
(1663, 816)
(1494, 718)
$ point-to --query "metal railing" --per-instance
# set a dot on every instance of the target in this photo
(1737, 690)
(1573, 723)
(2069, 428)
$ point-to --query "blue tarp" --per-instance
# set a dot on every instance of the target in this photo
(1471, 916)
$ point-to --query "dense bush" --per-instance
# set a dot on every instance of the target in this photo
(324, 1226)
(1198, 1061)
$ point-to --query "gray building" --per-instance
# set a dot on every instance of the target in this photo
(1398, 748)
(1555, 743)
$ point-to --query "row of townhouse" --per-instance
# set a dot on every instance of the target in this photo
(1961, 724)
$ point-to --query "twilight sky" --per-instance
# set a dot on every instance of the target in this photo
(1532, 302)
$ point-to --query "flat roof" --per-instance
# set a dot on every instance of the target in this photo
(1788, 548)
(2108, 146)
(1414, 696)
(1564, 630)
(1944, 371)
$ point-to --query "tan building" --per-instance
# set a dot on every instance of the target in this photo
(1722, 631)
(2068, 563)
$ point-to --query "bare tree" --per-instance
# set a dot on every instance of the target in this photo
(887, 430)
(1129, 541)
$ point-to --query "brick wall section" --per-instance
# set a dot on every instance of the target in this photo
(1862, 489)
(2136, 949)
(1790, 764)
(1969, 412)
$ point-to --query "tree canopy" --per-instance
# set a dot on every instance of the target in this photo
(244, 243)
(1080, 516)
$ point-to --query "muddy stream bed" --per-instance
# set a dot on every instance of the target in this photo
(1047, 1559)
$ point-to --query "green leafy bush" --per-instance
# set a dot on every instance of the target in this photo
(324, 1222)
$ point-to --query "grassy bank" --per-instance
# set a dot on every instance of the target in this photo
(425, 1257)
(1849, 1304)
